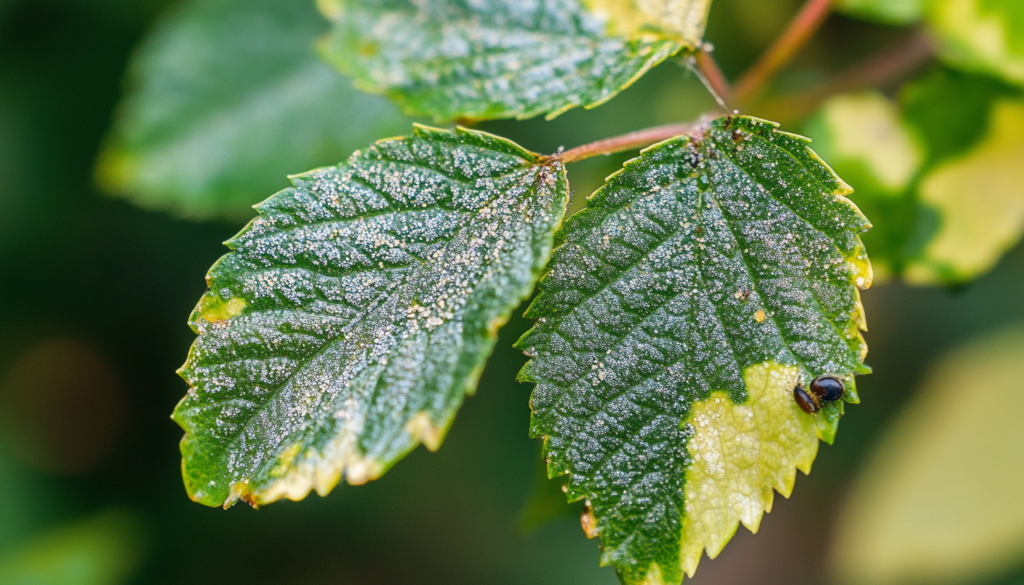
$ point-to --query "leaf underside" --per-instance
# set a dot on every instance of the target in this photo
(491, 58)
(701, 284)
(354, 313)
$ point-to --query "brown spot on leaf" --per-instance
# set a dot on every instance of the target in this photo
(588, 521)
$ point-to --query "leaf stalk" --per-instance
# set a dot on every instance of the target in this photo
(800, 30)
(633, 140)
(879, 70)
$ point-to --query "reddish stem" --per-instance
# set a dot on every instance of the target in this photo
(796, 35)
(631, 141)
(880, 70)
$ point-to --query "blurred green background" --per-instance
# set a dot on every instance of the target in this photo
(94, 293)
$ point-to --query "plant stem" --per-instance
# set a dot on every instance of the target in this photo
(632, 140)
(799, 31)
(879, 70)
(708, 67)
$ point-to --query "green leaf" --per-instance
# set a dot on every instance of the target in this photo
(701, 284)
(866, 140)
(939, 500)
(355, 312)
(226, 98)
(980, 35)
(939, 170)
(883, 11)
(980, 200)
(498, 59)
(102, 550)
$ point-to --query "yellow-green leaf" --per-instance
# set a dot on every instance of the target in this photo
(940, 499)
(981, 35)
(865, 136)
(979, 199)
(704, 282)
(939, 170)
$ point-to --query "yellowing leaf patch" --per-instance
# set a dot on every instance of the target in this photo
(742, 454)
(981, 35)
(683, 18)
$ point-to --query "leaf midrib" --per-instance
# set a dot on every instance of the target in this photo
(231, 441)
(729, 223)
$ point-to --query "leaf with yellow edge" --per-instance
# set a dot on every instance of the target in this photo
(354, 314)
(499, 59)
(980, 200)
(939, 168)
(742, 454)
(985, 36)
(940, 499)
(702, 283)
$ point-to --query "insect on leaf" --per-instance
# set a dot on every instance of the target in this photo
(354, 313)
(499, 59)
(702, 283)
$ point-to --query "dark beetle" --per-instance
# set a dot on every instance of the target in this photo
(807, 402)
(824, 389)
(827, 388)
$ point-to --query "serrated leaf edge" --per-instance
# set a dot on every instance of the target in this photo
(824, 429)
(296, 481)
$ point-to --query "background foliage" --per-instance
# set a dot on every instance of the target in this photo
(94, 290)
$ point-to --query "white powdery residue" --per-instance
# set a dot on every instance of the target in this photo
(343, 303)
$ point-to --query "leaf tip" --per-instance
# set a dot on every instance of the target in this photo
(422, 429)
